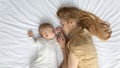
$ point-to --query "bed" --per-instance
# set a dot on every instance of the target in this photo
(19, 16)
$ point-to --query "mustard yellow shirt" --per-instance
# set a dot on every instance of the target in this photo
(81, 45)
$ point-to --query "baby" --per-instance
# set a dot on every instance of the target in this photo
(49, 52)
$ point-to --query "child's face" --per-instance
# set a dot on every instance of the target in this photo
(47, 33)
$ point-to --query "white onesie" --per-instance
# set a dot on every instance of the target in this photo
(49, 53)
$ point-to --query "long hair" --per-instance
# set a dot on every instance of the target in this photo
(87, 20)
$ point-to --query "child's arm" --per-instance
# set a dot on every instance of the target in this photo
(31, 38)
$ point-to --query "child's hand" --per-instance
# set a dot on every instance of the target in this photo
(30, 33)
(61, 40)
(58, 30)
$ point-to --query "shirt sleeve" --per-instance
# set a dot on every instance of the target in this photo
(33, 41)
(76, 48)
(59, 55)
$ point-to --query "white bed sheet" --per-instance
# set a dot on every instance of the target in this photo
(19, 16)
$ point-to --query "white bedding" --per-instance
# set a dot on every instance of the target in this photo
(19, 16)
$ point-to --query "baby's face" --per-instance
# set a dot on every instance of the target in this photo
(47, 33)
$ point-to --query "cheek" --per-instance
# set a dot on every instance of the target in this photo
(64, 26)
(65, 29)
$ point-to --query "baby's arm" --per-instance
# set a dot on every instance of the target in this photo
(31, 38)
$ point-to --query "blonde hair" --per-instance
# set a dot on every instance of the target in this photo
(86, 20)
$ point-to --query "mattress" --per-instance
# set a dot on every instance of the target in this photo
(19, 16)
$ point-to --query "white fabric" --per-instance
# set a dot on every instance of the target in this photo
(49, 53)
(19, 16)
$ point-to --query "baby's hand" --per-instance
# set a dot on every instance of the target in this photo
(60, 37)
(30, 33)
(58, 30)
(61, 40)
